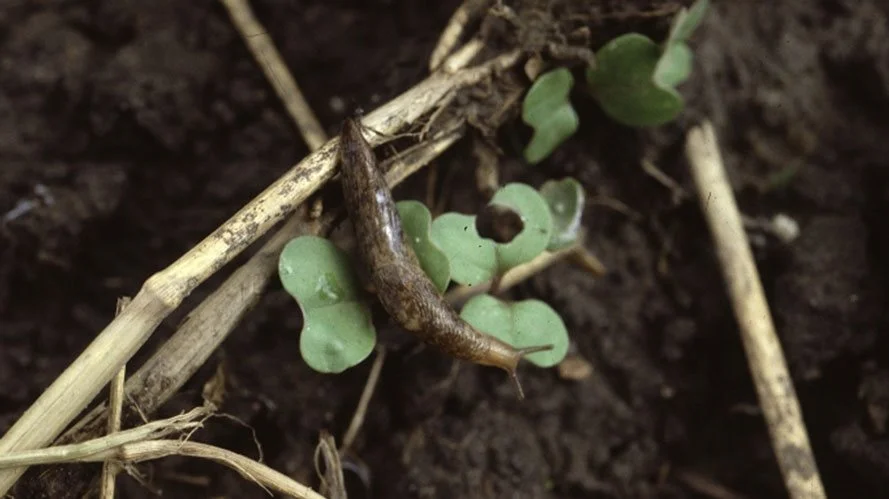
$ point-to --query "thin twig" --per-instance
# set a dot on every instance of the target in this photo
(115, 402)
(616, 205)
(86, 451)
(259, 473)
(333, 483)
(451, 34)
(462, 57)
(514, 276)
(589, 262)
(487, 168)
(764, 355)
(164, 291)
(265, 53)
(705, 485)
(665, 180)
(364, 401)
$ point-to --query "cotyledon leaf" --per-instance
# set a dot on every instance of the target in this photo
(624, 85)
(520, 324)
(537, 220)
(472, 258)
(475, 259)
(547, 109)
(566, 200)
(337, 332)
(417, 223)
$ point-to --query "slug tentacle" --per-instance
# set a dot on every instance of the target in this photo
(404, 290)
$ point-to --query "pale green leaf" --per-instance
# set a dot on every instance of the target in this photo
(566, 200)
(521, 324)
(473, 259)
(337, 329)
(537, 221)
(547, 109)
(417, 223)
(623, 83)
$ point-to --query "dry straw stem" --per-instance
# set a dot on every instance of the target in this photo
(333, 483)
(87, 451)
(265, 53)
(462, 57)
(450, 36)
(115, 400)
(364, 401)
(163, 292)
(515, 275)
(140, 451)
(764, 355)
(257, 472)
(705, 486)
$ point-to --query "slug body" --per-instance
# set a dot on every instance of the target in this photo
(404, 290)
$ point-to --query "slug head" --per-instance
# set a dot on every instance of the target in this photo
(507, 357)
(521, 352)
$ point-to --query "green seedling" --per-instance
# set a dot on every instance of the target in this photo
(687, 21)
(634, 82)
(475, 259)
(338, 332)
(566, 201)
(635, 79)
(337, 329)
(548, 111)
(623, 83)
(536, 218)
(523, 323)
(417, 223)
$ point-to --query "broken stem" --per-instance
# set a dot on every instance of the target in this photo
(257, 39)
(115, 402)
(460, 294)
(87, 451)
(364, 401)
(764, 355)
(451, 34)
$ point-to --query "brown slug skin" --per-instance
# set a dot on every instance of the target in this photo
(404, 290)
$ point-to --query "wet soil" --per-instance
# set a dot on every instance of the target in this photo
(128, 132)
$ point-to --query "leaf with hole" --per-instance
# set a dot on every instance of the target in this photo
(337, 332)
(548, 111)
(475, 259)
(537, 221)
(417, 223)
(566, 201)
(520, 324)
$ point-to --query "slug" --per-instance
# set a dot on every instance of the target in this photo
(405, 291)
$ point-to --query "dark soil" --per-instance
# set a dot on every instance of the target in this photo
(133, 129)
